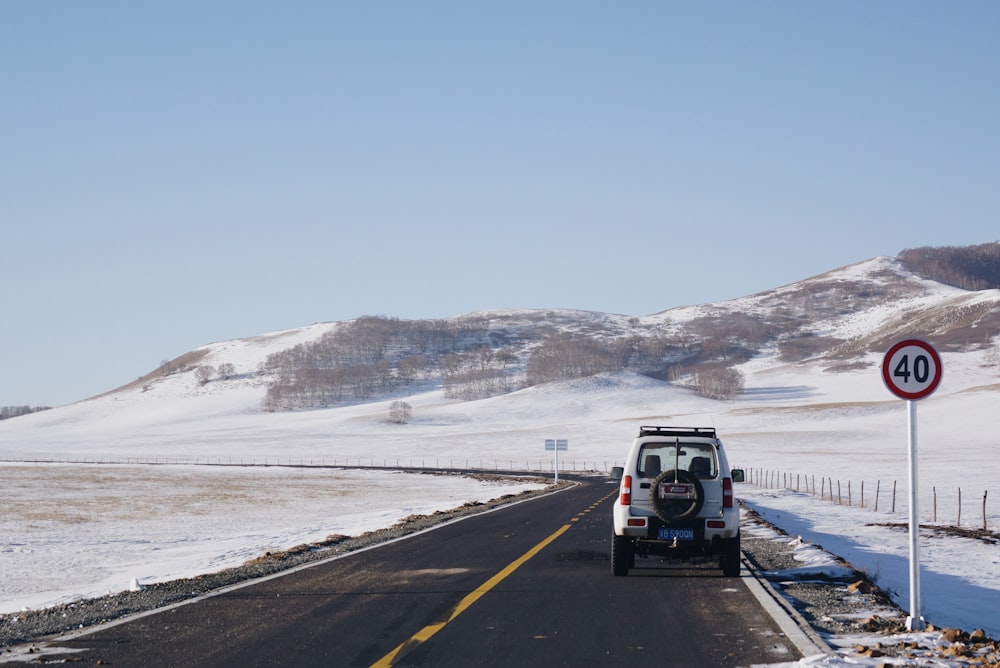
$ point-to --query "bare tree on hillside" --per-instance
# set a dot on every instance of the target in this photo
(477, 384)
(412, 365)
(399, 412)
(716, 382)
(7, 412)
(204, 373)
(966, 267)
(563, 357)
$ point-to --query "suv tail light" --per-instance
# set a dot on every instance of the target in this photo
(727, 492)
(626, 499)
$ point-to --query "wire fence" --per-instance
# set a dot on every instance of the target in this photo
(395, 463)
(945, 506)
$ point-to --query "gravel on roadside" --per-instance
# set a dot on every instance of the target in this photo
(860, 623)
(848, 603)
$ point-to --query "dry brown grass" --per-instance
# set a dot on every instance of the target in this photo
(838, 406)
(81, 493)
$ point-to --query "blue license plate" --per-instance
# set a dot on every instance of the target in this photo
(679, 534)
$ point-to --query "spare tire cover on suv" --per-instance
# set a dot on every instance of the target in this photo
(674, 510)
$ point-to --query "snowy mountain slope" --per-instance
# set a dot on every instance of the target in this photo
(792, 404)
(223, 418)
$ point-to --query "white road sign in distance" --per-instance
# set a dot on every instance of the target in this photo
(911, 369)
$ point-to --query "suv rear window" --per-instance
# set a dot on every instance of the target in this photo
(697, 458)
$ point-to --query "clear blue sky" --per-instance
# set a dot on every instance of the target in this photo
(178, 173)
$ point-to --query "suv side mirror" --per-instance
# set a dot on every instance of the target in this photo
(616, 473)
(738, 475)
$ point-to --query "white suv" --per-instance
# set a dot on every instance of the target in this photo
(676, 500)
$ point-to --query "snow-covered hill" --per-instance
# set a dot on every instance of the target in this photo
(786, 407)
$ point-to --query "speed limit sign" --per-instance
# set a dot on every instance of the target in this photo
(911, 369)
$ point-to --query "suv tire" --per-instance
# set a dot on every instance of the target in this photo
(731, 557)
(622, 554)
(674, 511)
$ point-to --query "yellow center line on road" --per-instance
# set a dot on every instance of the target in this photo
(428, 631)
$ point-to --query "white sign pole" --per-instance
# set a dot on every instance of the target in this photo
(915, 622)
(557, 463)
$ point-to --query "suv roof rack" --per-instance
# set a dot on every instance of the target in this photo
(702, 432)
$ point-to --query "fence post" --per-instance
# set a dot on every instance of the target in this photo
(984, 509)
(878, 484)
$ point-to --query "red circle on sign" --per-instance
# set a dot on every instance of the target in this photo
(911, 369)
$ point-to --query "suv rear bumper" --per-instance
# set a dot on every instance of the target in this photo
(646, 527)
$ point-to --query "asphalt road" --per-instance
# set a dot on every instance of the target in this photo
(526, 585)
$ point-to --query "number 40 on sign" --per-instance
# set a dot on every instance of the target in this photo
(911, 369)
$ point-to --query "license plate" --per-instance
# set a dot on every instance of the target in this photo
(679, 534)
(676, 491)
